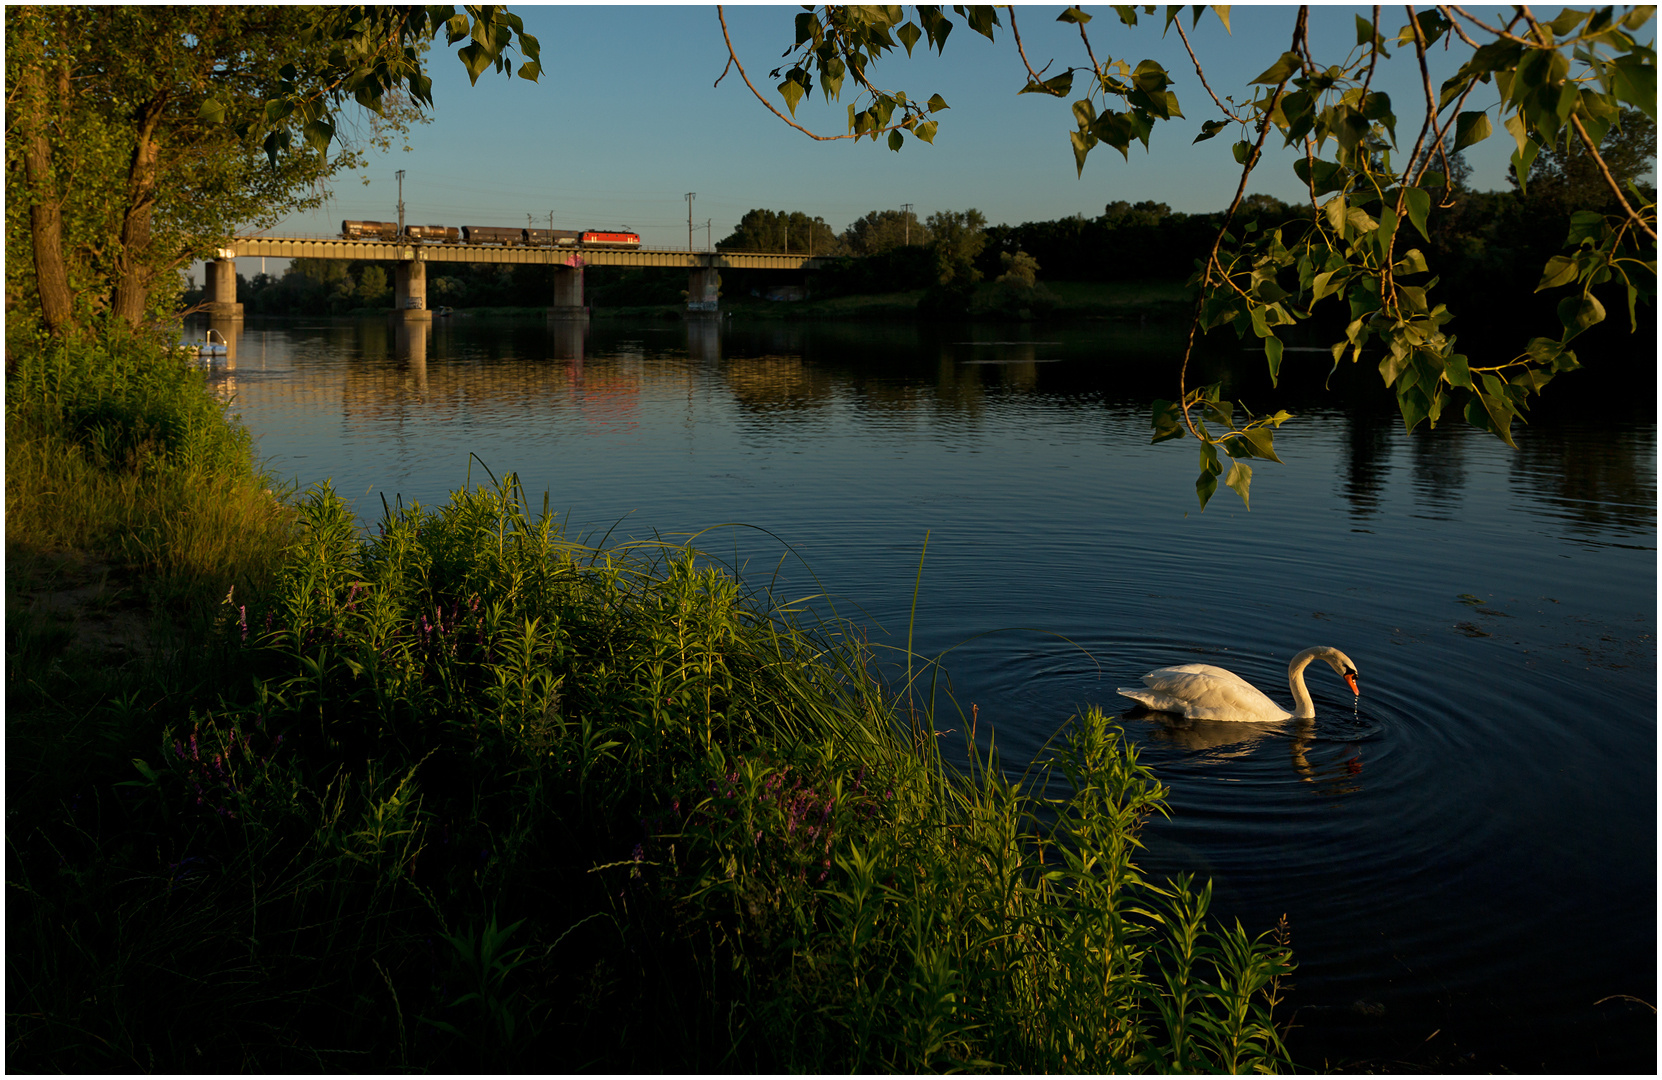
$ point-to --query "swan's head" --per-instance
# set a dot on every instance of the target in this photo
(1342, 664)
(1336, 660)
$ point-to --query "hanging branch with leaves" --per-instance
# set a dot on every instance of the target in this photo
(1565, 79)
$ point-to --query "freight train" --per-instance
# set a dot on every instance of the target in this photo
(490, 234)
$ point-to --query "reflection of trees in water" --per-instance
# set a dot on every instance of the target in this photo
(1439, 468)
(1366, 459)
(1599, 478)
(778, 383)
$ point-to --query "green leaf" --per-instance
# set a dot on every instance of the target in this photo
(896, 140)
(1411, 263)
(475, 58)
(1280, 71)
(926, 131)
(1414, 406)
(1364, 31)
(1205, 484)
(1335, 210)
(1057, 86)
(1073, 15)
(213, 112)
(1567, 20)
(1585, 225)
(1209, 129)
(1457, 371)
(1081, 146)
(1272, 353)
(1222, 11)
(1577, 313)
(937, 103)
(1419, 207)
(908, 36)
(1498, 413)
(318, 134)
(1167, 421)
(1394, 363)
(1240, 480)
(791, 91)
(1328, 176)
(1241, 150)
(1634, 82)
(980, 17)
(1359, 220)
(1560, 269)
(1470, 128)
(1259, 442)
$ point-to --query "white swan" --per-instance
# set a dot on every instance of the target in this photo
(1204, 692)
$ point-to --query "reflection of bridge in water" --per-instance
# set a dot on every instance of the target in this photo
(411, 259)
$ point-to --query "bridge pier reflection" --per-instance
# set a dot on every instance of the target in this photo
(228, 327)
(410, 346)
(566, 337)
(704, 340)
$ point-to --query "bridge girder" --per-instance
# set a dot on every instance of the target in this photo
(382, 251)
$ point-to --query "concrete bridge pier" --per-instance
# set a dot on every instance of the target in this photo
(410, 292)
(221, 290)
(703, 286)
(568, 292)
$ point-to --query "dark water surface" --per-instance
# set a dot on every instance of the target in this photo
(1466, 855)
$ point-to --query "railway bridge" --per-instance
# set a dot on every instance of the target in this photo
(411, 259)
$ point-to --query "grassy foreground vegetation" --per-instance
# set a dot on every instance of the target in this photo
(465, 793)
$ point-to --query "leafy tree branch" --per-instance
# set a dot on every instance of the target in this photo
(1567, 80)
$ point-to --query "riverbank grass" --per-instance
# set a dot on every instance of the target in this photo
(466, 793)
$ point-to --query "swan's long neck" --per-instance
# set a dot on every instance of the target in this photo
(1303, 707)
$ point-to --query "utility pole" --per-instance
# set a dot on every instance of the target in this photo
(400, 175)
(707, 235)
(906, 209)
(691, 195)
(551, 221)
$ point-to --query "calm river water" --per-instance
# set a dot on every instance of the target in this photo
(1466, 855)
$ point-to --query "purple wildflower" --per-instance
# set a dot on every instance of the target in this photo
(242, 620)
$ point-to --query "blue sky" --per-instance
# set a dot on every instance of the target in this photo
(626, 120)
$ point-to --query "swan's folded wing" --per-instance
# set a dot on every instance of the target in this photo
(1199, 669)
(1202, 692)
(1153, 699)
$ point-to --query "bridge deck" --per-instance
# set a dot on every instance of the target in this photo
(383, 251)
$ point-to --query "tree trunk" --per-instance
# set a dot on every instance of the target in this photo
(45, 221)
(135, 267)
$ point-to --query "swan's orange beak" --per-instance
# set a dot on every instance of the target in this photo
(1350, 680)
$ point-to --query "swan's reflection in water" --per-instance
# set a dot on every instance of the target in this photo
(1227, 740)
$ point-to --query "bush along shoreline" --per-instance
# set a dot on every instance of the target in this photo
(463, 793)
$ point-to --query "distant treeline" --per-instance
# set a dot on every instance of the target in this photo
(1488, 249)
